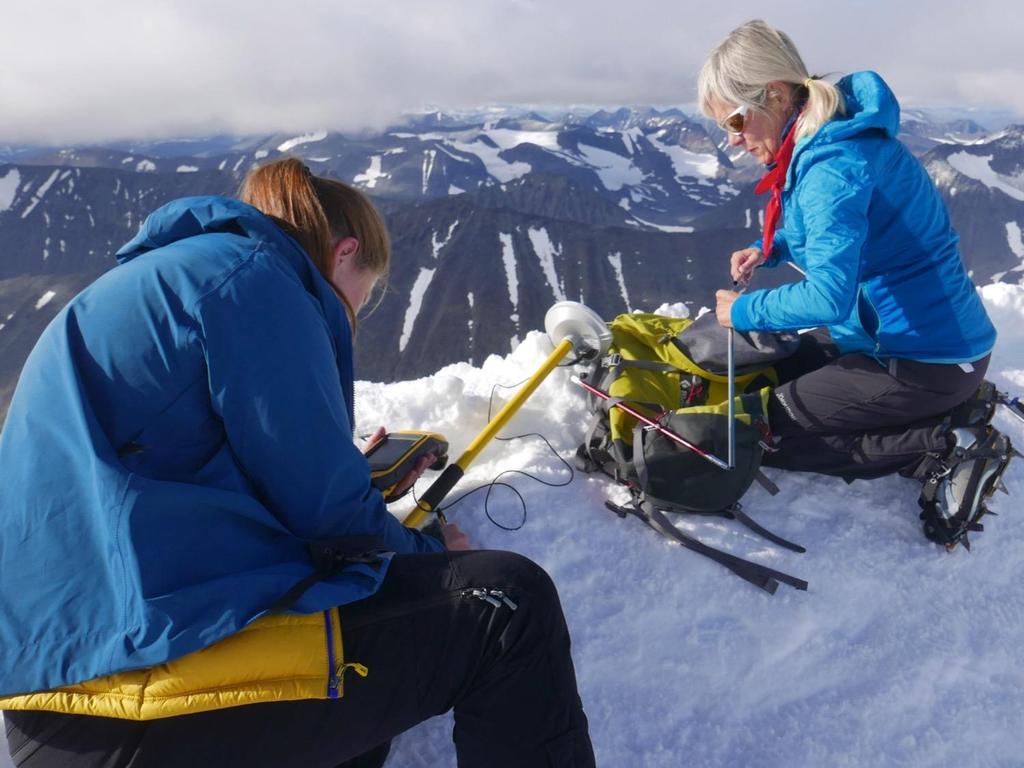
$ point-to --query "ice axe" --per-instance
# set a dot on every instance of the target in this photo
(572, 327)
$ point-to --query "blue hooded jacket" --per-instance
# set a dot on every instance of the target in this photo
(867, 226)
(179, 435)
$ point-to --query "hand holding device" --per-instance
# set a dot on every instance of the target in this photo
(397, 459)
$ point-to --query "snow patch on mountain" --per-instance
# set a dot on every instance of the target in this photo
(420, 286)
(507, 138)
(546, 252)
(979, 168)
(501, 169)
(615, 171)
(371, 175)
(615, 259)
(689, 164)
(40, 193)
(1015, 240)
(630, 138)
(508, 259)
(306, 138)
(436, 245)
(660, 227)
(458, 158)
(419, 290)
(45, 299)
(428, 166)
(9, 184)
(187, 168)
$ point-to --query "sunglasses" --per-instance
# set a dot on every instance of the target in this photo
(736, 120)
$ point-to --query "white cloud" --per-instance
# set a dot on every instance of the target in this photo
(71, 71)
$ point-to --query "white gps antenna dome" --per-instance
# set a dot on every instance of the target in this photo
(580, 324)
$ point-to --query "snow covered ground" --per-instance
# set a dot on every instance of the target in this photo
(898, 655)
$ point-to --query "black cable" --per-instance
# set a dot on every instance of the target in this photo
(496, 481)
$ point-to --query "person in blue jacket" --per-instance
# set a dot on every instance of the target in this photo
(903, 337)
(178, 463)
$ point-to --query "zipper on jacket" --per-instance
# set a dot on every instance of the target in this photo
(335, 671)
(333, 678)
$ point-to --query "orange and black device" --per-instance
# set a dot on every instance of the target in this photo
(392, 457)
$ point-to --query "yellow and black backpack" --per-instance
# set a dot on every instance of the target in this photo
(673, 373)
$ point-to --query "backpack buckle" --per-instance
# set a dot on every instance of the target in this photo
(612, 360)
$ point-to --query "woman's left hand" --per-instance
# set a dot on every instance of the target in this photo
(723, 307)
(407, 482)
(375, 438)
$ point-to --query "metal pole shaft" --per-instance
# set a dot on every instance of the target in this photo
(453, 473)
(653, 424)
(732, 398)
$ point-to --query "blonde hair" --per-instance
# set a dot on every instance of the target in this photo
(318, 212)
(739, 69)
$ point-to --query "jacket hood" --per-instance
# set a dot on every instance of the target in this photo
(870, 105)
(191, 216)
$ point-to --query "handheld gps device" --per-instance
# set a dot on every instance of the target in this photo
(393, 456)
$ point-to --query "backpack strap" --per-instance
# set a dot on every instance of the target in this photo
(591, 455)
(616, 361)
(736, 512)
(765, 482)
(760, 576)
(733, 511)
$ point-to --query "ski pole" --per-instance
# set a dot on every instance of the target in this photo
(576, 327)
(731, 377)
(732, 397)
(675, 437)
(1013, 404)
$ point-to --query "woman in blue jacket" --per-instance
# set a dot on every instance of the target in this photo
(179, 469)
(906, 338)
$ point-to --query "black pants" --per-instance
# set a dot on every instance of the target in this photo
(430, 646)
(851, 416)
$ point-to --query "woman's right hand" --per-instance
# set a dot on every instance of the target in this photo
(454, 539)
(743, 263)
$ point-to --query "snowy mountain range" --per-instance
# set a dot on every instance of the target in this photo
(494, 215)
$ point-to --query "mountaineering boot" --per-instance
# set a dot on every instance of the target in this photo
(978, 409)
(953, 498)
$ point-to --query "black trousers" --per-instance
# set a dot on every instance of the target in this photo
(431, 645)
(855, 417)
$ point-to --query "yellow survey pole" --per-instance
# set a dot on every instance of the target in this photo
(453, 473)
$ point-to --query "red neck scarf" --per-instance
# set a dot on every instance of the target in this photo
(775, 180)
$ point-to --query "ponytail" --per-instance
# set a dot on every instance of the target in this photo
(318, 212)
(824, 101)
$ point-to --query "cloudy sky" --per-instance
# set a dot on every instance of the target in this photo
(72, 71)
